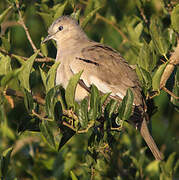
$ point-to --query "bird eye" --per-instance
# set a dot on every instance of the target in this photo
(60, 28)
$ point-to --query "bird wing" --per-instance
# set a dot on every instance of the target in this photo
(105, 68)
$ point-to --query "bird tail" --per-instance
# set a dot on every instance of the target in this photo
(149, 140)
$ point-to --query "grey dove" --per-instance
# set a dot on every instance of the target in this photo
(103, 66)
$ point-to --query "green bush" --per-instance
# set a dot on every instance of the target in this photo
(47, 135)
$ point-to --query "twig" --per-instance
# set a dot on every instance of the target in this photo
(98, 16)
(68, 125)
(86, 130)
(44, 59)
(11, 92)
(173, 61)
(21, 22)
(143, 15)
(40, 117)
(169, 92)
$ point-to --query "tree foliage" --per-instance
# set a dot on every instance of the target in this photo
(45, 133)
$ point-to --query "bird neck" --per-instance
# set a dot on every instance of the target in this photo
(70, 46)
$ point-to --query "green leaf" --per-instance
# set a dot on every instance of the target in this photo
(50, 100)
(5, 161)
(94, 103)
(59, 9)
(89, 7)
(73, 176)
(76, 14)
(176, 90)
(89, 17)
(28, 101)
(70, 90)
(43, 76)
(6, 44)
(50, 80)
(82, 113)
(176, 166)
(110, 108)
(125, 109)
(5, 13)
(144, 77)
(147, 58)
(73, 3)
(47, 17)
(104, 98)
(5, 65)
(24, 74)
(158, 38)
(169, 165)
(153, 167)
(175, 18)
(43, 48)
(9, 76)
(157, 77)
(138, 30)
(47, 133)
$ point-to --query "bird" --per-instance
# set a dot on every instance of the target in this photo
(102, 66)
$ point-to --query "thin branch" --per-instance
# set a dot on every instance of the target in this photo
(169, 92)
(43, 59)
(98, 16)
(21, 22)
(11, 92)
(173, 61)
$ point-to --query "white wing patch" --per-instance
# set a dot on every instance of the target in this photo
(103, 87)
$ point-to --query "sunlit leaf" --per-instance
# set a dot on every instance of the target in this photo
(50, 80)
(59, 8)
(25, 72)
(9, 76)
(169, 165)
(51, 99)
(89, 17)
(144, 77)
(82, 113)
(153, 167)
(6, 44)
(147, 57)
(28, 100)
(157, 76)
(73, 176)
(4, 13)
(159, 40)
(76, 14)
(94, 103)
(5, 65)
(176, 90)
(126, 107)
(44, 77)
(44, 50)
(175, 18)
(71, 88)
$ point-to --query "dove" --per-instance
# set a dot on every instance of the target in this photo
(102, 66)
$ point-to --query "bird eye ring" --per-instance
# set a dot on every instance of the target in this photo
(60, 28)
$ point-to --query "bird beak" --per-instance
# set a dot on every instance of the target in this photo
(47, 38)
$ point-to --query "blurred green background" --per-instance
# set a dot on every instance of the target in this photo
(122, 25)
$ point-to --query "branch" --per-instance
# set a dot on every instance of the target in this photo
(11, 92)
(43, 59)
(21, 22)
(98, 16)
(173, 61)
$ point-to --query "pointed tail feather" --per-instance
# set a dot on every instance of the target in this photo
(150, 141)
